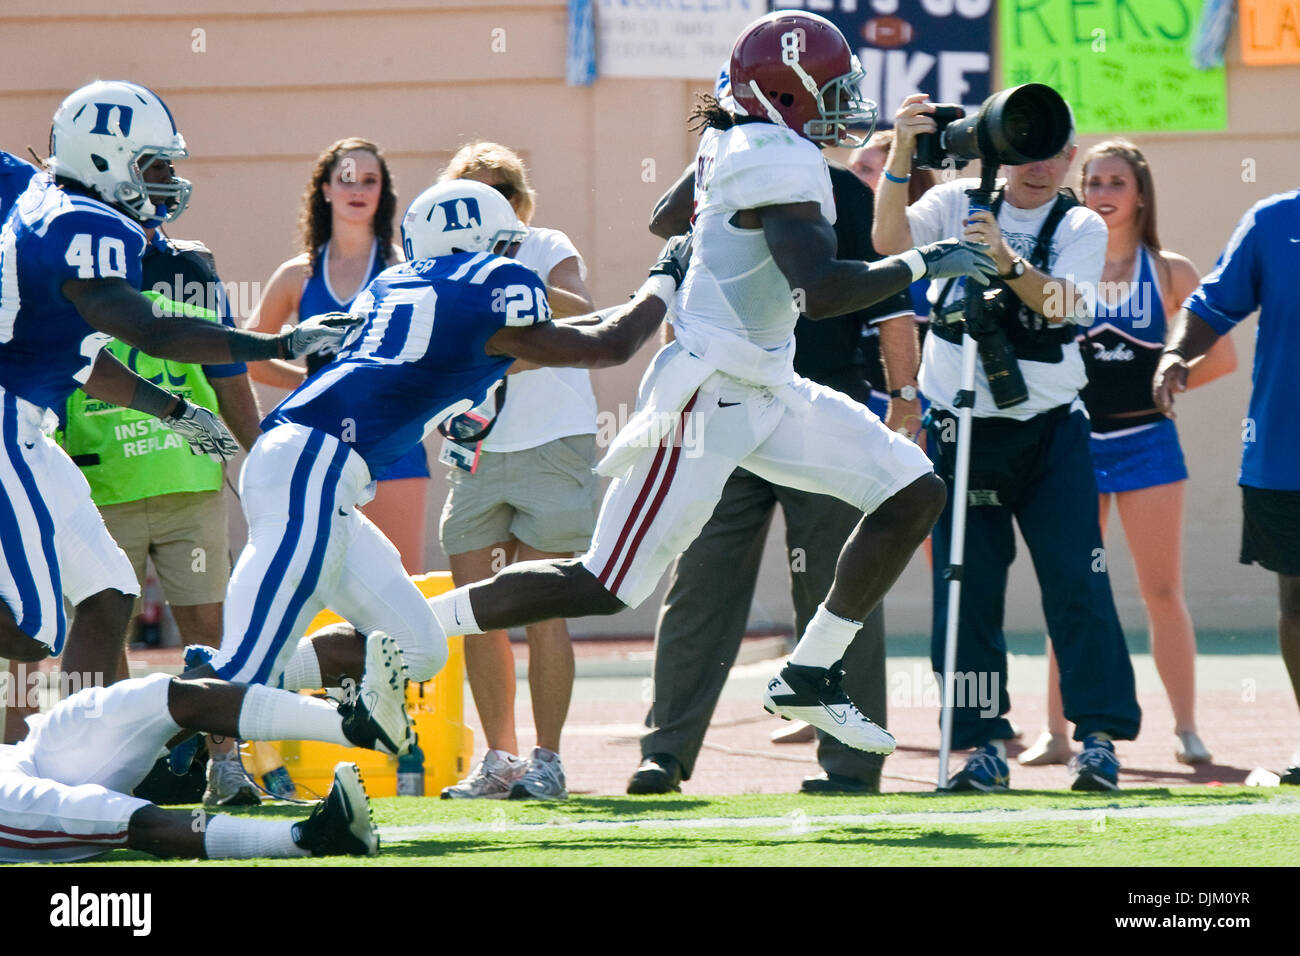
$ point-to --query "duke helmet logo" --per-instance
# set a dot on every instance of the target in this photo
(461, 213)
(104, 114)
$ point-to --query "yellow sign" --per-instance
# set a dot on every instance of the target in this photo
(1270, 32)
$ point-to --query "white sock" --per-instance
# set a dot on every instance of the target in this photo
(454, 613)
(303, 670)
(825, 640)
(239, 838)
(1001, 747)
(270, 714)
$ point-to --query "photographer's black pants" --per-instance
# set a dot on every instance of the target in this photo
(1040, 473)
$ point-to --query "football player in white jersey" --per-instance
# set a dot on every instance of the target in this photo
(65, 788)
(69, 281)
(725, 395)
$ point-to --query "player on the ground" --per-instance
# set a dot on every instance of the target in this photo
(64, 789)
(725, 393)
(69, 281)
(439, 332)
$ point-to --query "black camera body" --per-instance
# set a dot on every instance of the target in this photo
(930, 153)
(1014, 126)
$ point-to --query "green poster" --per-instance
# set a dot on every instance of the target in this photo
(1122, 65)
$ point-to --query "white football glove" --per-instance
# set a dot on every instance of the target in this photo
(205, 432)
(320, 333)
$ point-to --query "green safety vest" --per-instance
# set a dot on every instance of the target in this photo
(128, 455)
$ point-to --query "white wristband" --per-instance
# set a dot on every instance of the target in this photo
(915, 261)
(660, 285)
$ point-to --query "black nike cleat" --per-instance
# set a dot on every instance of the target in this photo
(341, 824)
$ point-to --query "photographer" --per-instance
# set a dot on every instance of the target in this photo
(1030, 460)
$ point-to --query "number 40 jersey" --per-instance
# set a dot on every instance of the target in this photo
(46, 348)
(419, 357)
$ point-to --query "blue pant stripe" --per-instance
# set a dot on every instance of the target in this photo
(32, 612)
(311, 574)
(270, 585)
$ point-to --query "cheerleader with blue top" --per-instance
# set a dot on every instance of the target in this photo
(1135, 449)
(347, 240)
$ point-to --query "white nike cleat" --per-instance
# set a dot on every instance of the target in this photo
(813, 694)
(377, 719)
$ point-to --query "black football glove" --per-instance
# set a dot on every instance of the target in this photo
(674, 257)
(952, 257)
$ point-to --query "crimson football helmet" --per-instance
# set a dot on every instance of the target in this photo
(797, 70)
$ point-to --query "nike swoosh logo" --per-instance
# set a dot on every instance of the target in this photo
(722, 404)
(1295, 240)
(30, 444)
(455, 612)
(839, 718)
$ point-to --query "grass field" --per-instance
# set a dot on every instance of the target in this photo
(1193, 826)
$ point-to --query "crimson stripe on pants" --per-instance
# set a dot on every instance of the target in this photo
(658, 499)
(603, 577)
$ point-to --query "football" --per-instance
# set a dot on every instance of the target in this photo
(887, 32)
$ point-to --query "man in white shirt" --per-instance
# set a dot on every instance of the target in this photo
(1030, 461)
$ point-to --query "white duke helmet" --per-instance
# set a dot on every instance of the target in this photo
(460, 215)
(106, 134)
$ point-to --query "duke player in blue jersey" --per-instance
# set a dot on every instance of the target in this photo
(439, 332)
(1257, 270)
(69, 281)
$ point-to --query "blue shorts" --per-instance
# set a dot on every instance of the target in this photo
(1140, 459)
(414, 464)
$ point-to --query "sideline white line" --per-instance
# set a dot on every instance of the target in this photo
(1199, 815)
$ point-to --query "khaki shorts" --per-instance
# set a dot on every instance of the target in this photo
(544, 496)
(187, 537)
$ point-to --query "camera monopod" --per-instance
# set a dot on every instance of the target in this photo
(981, 197)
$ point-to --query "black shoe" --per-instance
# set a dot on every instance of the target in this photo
(1290, 776)
(658, 773)
(837, 783)
(340, 825)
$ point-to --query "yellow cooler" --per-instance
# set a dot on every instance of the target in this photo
(436, 706)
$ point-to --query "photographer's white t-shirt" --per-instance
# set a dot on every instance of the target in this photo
(1077, 252)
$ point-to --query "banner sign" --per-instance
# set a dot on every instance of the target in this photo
(1123, 66)
(680, 39)
(1270, 31)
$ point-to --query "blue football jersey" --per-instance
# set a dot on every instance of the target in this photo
(15, 175)
(1258, 270)
(419, 357)
(46, 348)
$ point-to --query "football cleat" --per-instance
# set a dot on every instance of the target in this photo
(340, 825)
(375, 717)
(814, 695)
